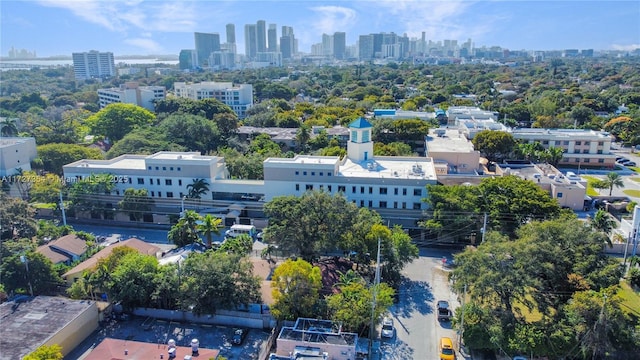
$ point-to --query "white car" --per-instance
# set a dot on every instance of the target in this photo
(388, 331)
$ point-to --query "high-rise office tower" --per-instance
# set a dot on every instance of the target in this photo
(288, 43)
(93, 65)
(327, 45)
(206, 43)
(261, 35)
(365, 47)
(339, 45)
(187, 59)
(250, 41)
(231, 34)
(272, 37)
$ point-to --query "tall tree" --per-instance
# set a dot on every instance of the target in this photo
(55, 156)
(209, 226)
(40, 276)
(612, 180)
(136, 203)
(603, 222)
(495, 145)
(93, 195)
(352, 305)
(132, 281)
(185, 232)
(116, 120)
(197, 188)
(46, 352)
(295, 289)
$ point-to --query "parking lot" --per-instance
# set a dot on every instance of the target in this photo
(159, 332)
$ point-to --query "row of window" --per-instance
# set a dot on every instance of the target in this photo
(164, 168)
(369, 189)
(566, 143)
(385, 205)
(313, 173)
(167, 182)
(168, 194)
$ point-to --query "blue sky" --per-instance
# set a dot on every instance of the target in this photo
(126, 27)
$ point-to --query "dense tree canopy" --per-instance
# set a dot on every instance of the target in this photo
(296, 288)
(116, 120)
(55, 156)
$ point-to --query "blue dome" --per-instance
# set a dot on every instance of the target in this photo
(360, 123)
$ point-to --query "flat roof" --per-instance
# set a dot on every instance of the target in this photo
(135, 350)
(344, 339)
(28, 322)
(397, 167)
(304, 159)
(8, 141)
(448, 140)
(563, 133)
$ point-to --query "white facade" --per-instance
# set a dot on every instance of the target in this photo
(131, 93)
(93, 65)
(16, 153)
(164, 174)
(239, 97)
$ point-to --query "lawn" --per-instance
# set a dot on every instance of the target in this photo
(590, 190)
(636, 179)
(630, 299)
(632, 193)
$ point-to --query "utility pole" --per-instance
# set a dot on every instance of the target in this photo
(24, 259)
(182, 206)
(64, 216)
(464, 295)
(484, 226)
(376, 282)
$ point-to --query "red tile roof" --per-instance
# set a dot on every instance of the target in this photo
(114, 349)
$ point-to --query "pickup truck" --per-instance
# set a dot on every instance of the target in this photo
(444, 313)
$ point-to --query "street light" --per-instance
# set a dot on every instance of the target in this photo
(182, 206)
(25, 261)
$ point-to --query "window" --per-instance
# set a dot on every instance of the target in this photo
(587, 143)
(169, 194)
(167, 181)
(578, 142)
(309, 187)
(342, 189)
(164, 168)
(587, 160)
(559, 194)
(149, 167)
(361, 189)
(321, 173)
(329, 188)
(304, 173)
(171, 168)
(545, 142)
(417, 192)
(585, 151)
(395, 191)
(416, 206)
(354, 136)
(370, 190)
(404, 205)
(321, 187)
(395, 204)
(370, 203)
(353, 189)
(313, 173)
(129, 179)
(383, 204)
(297, 187)
(599, 152)
(297, 172)
(361, 203)
(159, 194)
(600, 161)
(328, 174)
(151, 181)
(157, 168)
(140, 181)
(577, 160)
(181, 195)
(179, 182)
(404, 191)
(383, 191)
(566, 143)
(157, 181)
(365, 136)
(153, 193)
(600, 143)
(179, 168)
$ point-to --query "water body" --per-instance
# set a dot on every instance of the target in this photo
(26, 64)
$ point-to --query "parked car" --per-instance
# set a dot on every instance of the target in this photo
(238, 336)
(629, 163)
(388, 331)
(444, 313)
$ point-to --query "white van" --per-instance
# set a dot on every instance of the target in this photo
(237, 230)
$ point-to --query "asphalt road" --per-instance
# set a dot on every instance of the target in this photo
(417, 328)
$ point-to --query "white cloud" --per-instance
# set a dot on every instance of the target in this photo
(629, 47)
(150, 46)
(333, 18)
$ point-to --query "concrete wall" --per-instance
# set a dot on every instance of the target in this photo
(222, 317)
(76, 330)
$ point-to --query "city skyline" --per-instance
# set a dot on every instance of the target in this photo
(166, 27)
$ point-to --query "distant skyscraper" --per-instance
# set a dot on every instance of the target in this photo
(187, 59)
(261, 35)
(272, 37)
(339, 45)
(327, 45)
(287, 43)
(365, 47)
(231, 34)
(93, 65)
(206, 43)
(250, 41)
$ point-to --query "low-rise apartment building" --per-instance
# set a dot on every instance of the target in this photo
(132, 93)
(239, 97)
(582, 148)
(316, 338)
(16, 153)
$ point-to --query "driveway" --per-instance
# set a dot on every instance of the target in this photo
(417, 328)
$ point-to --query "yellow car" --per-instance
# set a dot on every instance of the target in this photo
(446, 349)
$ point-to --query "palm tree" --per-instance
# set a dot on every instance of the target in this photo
(210, 225)
(185, 232)
(613, 179)
(604, 223)
(554, 155)
(198, 188)
(8, 127)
